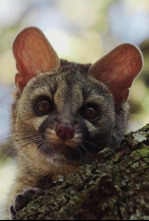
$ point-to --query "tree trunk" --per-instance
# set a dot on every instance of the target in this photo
(114, 187)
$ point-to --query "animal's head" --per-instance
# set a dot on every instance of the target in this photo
(65, 111)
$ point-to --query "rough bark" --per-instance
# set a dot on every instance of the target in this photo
(114, 187)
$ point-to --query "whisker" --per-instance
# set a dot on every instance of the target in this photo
(80, 153)
(69, 154)
(40, 146)
(30, 140)
(86, 152)
(94, 145)
(47, 181)
(24, 143)
(5, 154)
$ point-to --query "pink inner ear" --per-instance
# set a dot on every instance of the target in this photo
(34, 55)
(118, 69)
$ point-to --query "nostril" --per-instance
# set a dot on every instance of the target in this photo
(65, 131)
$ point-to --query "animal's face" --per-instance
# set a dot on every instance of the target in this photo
(68, 115)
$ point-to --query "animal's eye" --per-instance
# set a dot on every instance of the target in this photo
(43, 106)
(90, 112)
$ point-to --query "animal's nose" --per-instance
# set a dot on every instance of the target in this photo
(65, 131)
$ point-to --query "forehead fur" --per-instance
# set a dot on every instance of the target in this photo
(71, 75)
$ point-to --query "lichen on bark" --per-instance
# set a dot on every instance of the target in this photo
(114, 187)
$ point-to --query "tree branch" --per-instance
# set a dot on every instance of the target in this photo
(114, 187)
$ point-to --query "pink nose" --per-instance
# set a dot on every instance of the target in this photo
(65, 131)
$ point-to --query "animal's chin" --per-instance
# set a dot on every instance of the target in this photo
(68, 155)
(68, 152)
(65, 153)
(59, 160)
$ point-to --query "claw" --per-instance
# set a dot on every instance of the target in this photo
(23, 199)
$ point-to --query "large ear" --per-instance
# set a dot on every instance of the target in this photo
(34, 55)
(118, 69)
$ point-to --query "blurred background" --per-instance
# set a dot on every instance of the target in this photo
(80, 31)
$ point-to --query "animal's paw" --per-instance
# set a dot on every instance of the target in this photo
(23, 199)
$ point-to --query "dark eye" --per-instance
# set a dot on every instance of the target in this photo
(43, 106)
(90, 112)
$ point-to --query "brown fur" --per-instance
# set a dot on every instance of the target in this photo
(70, 87)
